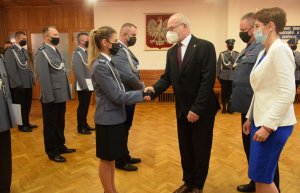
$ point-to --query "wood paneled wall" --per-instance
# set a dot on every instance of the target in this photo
(2, 27)
(67, 19)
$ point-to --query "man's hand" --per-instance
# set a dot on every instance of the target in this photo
(149, 93)
(192, 117)
(247, 127)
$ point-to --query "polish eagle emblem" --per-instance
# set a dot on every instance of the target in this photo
(156, 32)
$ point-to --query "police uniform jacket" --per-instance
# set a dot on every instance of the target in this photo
(225, 64)
(127, 65)
(18, 68)
(297, 61)
(241, 88)
(111, 97)
(80, 68)
(6, 120)
(50, 70)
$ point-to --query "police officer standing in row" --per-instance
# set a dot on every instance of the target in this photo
(127, 65)
(55, 91)
(242, 91)
(293, 45)
(20, 78)
(6, 122)
(82, 72)
(225, 67)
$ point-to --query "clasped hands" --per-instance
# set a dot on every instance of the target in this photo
(260, 135)
(149, 95)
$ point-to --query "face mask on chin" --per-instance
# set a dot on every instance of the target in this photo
(23, 43)
(54, 41)
(131, 41)
(245, 37)
(260, 37)
(114, 49)
(230, 48)
(172, 37)
(86, 44)
(294, 47)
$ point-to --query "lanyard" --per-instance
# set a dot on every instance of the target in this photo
(262, 57)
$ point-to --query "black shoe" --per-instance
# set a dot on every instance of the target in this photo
(58, 158)
(25, 129)
(67, 150)
(132, 160)
(89, 128)
(246, 188)
(127, 167)
(32, 126)
(84, 131)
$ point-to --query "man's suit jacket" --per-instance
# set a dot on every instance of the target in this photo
(80, 68)
(193, 84)
(54, 83)
(111, 97)
(6, 121)
(129, 77)
(241, 89)
(273, 83)
(18, 75)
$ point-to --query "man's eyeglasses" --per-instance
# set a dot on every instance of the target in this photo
(173, 27)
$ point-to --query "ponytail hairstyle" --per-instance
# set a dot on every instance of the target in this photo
(95, 47)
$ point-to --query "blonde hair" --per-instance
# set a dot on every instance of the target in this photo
(96, 35)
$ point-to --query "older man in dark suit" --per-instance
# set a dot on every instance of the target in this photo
(191, 70)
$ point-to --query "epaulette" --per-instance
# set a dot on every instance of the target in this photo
(103, 61)
(41, 48)
(76, 49)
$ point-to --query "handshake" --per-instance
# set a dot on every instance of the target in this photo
(148, 93)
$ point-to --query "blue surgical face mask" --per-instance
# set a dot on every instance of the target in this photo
(260, 37)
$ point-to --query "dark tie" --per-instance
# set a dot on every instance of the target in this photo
(23, 50)
(179, 59)
(132, 55)
(58, 52)
(85, 52)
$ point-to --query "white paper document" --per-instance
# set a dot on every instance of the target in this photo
(89, 84)
(16, 113)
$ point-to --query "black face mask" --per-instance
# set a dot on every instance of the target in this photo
(23, 43)
(230, 48)
(114, 49)
(294, 47)
(245, 36)
(131, 41)
(86, 44)
(54, 41)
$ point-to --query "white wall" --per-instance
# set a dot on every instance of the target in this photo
(237, 8)
(213, 20)
(205, 17)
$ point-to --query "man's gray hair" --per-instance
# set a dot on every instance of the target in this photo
(250, 17)
(180, 18)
